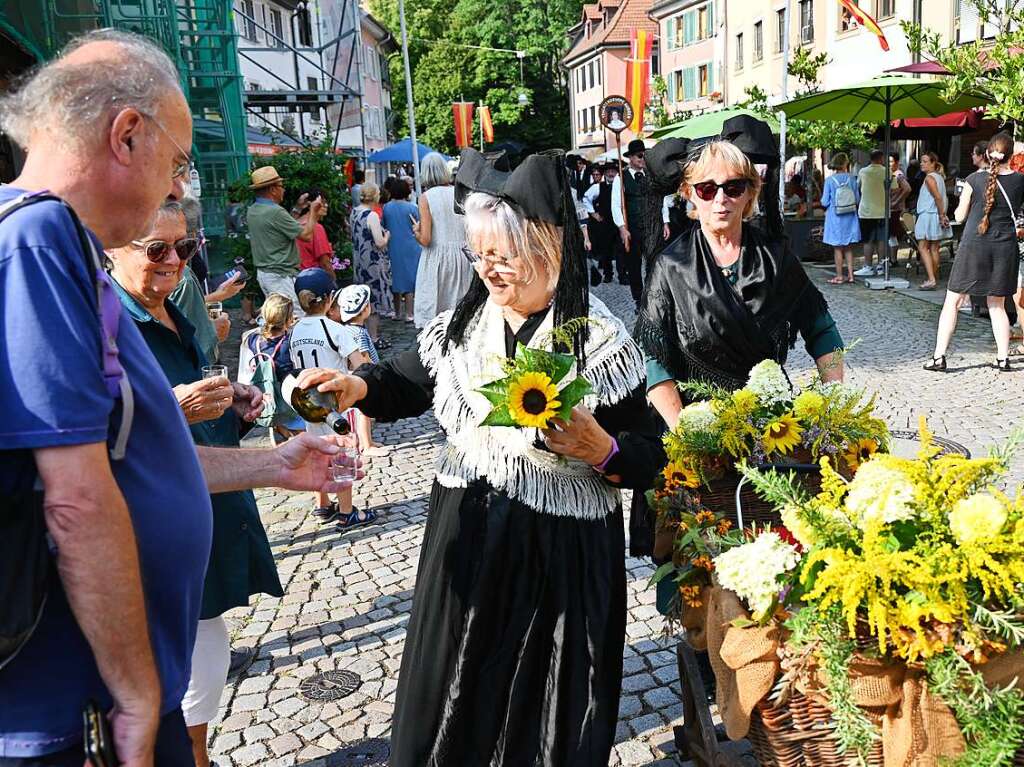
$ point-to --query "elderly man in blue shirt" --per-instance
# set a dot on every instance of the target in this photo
(131, 535)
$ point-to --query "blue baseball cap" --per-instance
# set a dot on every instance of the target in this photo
(316, 281)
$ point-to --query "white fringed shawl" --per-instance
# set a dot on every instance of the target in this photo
(506, 456)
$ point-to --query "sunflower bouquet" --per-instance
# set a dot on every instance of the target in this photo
(913, 564)
(536, 389)
(767, 421)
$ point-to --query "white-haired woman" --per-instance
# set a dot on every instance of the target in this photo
(444, 273)
(514, 649)
(727, 295)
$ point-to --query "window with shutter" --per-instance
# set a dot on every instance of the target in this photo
(689, 83)
(758, 41)
(670, 33)
(689, 28)
(739, 51)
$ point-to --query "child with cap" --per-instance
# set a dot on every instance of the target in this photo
(320, 342)
(353, 309)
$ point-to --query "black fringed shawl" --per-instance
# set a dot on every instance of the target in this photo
(698, 326)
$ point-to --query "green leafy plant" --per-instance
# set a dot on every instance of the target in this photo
(991, 719)
(993, 68)
(317, 167)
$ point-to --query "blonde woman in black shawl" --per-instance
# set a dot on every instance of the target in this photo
(726, 294)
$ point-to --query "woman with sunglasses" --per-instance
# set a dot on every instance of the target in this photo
(145, 272)
(729, 294)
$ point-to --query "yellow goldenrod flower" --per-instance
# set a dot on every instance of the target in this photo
(532, 400)
(859, 451)
(782, 435)
(977, 517)
(744, 400)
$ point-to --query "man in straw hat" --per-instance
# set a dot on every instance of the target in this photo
(272, 234)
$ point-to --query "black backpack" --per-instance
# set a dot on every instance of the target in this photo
(26, 562)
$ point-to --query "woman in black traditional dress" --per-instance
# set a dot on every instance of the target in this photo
(727, 294)
(987, 259)
(513, 655)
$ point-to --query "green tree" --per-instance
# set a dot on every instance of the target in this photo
(446, 68)
(993, 68)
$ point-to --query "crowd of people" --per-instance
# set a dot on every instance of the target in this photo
(122, 431)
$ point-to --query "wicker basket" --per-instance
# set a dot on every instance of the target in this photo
(720, 495)
(799, 733)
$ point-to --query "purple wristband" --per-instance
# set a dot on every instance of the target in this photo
(600, 468)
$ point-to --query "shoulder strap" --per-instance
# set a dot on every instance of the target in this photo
(327, 334)
(108, 307)
(1006, 197)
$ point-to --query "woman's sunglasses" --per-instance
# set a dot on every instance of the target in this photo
(158, 250)
(734, 187)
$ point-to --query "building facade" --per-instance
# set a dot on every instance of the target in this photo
(691, 49)
(596, 66)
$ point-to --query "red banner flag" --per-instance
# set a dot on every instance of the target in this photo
(463, 112)
(638, 76)
(486, 126)
(864, 20)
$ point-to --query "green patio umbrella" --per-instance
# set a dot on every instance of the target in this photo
(881, 100)
(708, 124)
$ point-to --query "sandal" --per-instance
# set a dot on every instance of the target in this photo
(327, 513)
(353, 519)
(836, 281)
(937, 365)
(850, 280)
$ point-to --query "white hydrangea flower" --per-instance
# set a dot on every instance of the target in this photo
(768, 383)
(753, 570)
(698, 416)
(880, 492)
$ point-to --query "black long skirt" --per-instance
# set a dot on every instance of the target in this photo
(513, 656)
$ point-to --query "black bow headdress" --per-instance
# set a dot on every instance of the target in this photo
(667, 160)
(539, 190)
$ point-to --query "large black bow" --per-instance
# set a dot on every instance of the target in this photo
(536, 188)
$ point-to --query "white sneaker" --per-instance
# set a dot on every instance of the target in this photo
(865, 271)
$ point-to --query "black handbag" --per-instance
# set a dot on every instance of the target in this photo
(25, 569)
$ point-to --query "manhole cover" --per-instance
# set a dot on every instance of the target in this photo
(373, 752)
(331, 685)
(906, 444)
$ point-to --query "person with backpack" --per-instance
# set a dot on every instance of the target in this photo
(105, 515)
(264, 360)
(241, 563)
(840, 198)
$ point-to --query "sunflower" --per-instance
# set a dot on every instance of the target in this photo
(859, 451)
(678, 474)
(782, 434)
(532, 400)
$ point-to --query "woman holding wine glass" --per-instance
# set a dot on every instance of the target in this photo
(145, 272)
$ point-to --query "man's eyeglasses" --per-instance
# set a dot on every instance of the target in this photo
(157, 251)
(734, 187)
(182, 166)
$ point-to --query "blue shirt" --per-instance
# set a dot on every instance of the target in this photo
(52, 393)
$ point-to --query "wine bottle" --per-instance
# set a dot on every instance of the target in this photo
(315, 406)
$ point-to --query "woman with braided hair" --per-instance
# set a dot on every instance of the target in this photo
(986, 261)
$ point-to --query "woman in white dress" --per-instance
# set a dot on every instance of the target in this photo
(444, 273)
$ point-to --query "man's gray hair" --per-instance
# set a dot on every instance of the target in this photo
(434, 171)
(193, 210)
(77, 101)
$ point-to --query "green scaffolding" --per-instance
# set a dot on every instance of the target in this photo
(200, 37)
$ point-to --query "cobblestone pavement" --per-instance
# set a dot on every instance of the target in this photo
(348, 595)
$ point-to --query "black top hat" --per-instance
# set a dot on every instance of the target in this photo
(635, 147)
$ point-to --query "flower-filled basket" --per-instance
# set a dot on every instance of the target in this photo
(766, 423)
(883, 624)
